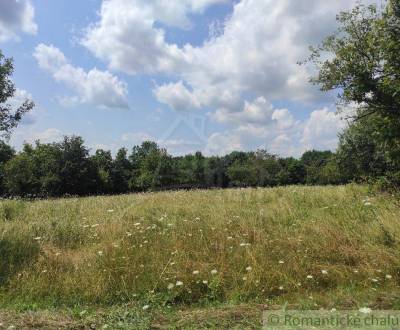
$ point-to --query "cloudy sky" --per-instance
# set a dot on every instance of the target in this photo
(209, 75)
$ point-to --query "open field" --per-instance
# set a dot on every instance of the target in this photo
(196, 259)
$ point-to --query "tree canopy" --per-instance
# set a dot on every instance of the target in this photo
(9, 116)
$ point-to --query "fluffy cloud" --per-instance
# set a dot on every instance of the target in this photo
(321, 129)
(95, 87)
(248, 61)
(177, 96)
(283, 135)
(16, 16)
(257, 51)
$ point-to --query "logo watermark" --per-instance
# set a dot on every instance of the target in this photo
(361, 319)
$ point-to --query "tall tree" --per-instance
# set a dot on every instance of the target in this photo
(361, 62)
(9, 115)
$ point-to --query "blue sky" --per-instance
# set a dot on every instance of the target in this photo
(208, 75)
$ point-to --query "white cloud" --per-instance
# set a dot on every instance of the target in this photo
(177, 96)
(95, 87)
(283, 135)
(31, 134)
(248, 63)
(321, 129)
(258, 50)
(16, 16)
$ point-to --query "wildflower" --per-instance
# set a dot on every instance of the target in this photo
(365, 310)
(367, 204)
(179, 283)
(374, 280)
(128, 234)
(146, 307)
(100, 253)
(389, 276)
(95, 225)
(281, 262)
(230, 237)
(244, 278)
(205, 282)
(249, 268)
(110, 211)
(281, 288)
(309, 277)
(37, 238)
(245, 244)
(196, 272)
(170, 286)
(325, 272)
(85, 226)
(214, 271)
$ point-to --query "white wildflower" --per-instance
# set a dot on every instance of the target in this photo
(170, 286)
(179, 283)
(309, 277)
(196, 272)
(214, 271)
(389, 276)
(146, 307)
(325, 272)
(365, 310)
(249, 268)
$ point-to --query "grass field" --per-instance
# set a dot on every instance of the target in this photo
(196, 259)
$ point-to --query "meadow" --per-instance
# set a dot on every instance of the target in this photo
(191, 259)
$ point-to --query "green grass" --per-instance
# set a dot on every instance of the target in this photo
(201, 258)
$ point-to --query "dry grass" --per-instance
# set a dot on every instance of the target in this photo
(265, 246)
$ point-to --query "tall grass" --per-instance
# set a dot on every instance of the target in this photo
(259, 245)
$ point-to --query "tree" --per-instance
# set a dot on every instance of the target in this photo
(121, 172)
(6, 153)
(78, 175)
(9, 117)
(103, 162)
(361, 61)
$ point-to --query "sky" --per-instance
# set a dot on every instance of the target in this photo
(192, 75)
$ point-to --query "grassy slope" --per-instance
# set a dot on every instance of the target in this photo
(102, 259)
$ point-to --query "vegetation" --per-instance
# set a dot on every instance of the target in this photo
(67, 168)
(9, 116)
(312, 247)
(363, 66)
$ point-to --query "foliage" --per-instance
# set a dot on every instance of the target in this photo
(9, 115)
(67, 168)
(361, 62)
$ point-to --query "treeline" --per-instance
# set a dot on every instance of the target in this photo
(67, 168)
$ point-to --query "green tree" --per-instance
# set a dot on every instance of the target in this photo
(121, 172)
(103, 162)
(9, 116)
(78, 175)
(363, 66)
(6, 153)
